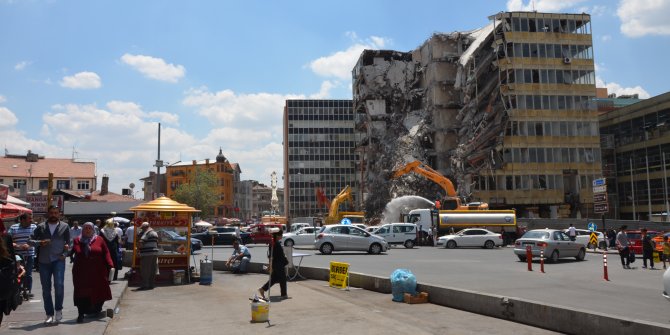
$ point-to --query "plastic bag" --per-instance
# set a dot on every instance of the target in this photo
(402, 281)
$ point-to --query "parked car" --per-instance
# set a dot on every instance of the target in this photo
(584, 236)
(635, 239)
(297, 225)
(556, 244)
(304, 236)
(170, 241)
(348, 238)
(220, 235)
(398, 233)
(666, 284)
(471, 237)
(260, 233)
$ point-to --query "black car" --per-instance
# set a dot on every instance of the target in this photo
(218, 236)
(170, 241)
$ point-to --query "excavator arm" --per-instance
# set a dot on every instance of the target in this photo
(343, 196)
(428, 172)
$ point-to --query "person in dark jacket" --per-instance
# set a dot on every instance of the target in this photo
(647, 250)
(278, 262)
(8, 275)
(113, 240)
(148, 242)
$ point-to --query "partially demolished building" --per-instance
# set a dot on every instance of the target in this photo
(505, 111)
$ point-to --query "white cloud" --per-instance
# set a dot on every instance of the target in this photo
(21, 65)
(8, 118)
(131, 108)
(2, 99)
(155, 68)
(619, 90)
(596, 10)
(324, 92)
(541, 5)
(340, 63)
(82, 80)
(644, 17)
(606, 38)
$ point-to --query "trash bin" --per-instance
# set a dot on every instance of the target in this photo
(206, 272)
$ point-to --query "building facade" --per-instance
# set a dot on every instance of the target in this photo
(636, 158)
(319, 156)
(505, 111)
(182, 172)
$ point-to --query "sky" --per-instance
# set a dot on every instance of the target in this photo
(92, 79)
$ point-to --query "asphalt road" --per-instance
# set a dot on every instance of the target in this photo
(632, 293)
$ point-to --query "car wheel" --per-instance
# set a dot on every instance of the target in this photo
(409, 244)
(554, 257)
(375, 249)
(288, 243)
(489, 244)
(451, 244)
(522, 258)
(326, 249)
(590, 246)
(580, 256)
(602, 245)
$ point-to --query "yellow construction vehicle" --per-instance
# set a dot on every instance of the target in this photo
(451, 202)
(334, 214)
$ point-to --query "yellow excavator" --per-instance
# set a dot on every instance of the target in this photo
(334, 214)
(451, 202)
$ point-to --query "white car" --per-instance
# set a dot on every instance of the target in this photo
(583, 237)
(303, 236)
(471, 237)
(340, 237)
(666, 284)
(296, 226)
(398, 233)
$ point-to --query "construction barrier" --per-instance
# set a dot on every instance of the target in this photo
(529, 258)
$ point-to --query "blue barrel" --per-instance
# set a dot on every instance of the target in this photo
(206, 267)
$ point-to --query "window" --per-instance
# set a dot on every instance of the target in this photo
(62, 184)
(83, 185)
(43, 184)
(18, 182)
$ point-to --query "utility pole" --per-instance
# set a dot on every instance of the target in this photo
(158, 165)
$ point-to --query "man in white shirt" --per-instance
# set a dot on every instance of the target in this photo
(129, 237)
(572, 233)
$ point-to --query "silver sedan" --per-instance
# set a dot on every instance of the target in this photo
(555, 243)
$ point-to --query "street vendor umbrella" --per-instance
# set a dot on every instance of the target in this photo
(203, 224)
(120, 219)
(10, 210)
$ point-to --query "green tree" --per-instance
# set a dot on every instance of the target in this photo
(200, 192)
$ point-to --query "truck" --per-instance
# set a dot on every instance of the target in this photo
(452, 201)
(334, 213)
(446, 220)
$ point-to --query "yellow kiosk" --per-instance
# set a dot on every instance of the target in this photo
(172, 222)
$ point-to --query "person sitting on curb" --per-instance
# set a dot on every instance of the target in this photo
(240, 258)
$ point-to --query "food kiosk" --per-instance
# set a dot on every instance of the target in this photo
(172, 222)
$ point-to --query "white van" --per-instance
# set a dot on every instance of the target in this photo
(398, 233)
(296, 226)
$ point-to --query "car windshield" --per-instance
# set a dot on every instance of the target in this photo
(171, 233)
(536, 234)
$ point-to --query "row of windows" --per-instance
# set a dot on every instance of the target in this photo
(321, 171)
(320, 111)
(552, 128)
(545, 50)
(550, 76)
(61, 184)
(328, 117)
(527, 182)
(647, 158)
(547, 25)
(639, 192)
(321, 157)
(323, 144)
(319, 151)
(342, 138)
(318, 103)
(301, 130)
(551, 102)
(641, 128)
(552, 155)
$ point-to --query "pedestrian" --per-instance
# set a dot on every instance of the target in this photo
(240, 258)
(504, 236)
(572, 233)
(8, 275)
(148, 241)
(129, 237)
(622, 245)
(53, 236)
(666, 251)
(277, 267)
(21, 233)
(75, 231)
(648, 247)
(112, 240)
(611, 235)
(90, 273)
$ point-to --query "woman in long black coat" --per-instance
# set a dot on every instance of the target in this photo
(277, 267)
(113, 240)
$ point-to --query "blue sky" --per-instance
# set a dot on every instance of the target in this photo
(95, 77)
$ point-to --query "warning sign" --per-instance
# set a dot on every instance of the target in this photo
(593, 240)
(339, 273)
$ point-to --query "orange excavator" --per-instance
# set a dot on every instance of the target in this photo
(452, 201)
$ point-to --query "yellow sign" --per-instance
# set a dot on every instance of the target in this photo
(339, 273)
(593, 240)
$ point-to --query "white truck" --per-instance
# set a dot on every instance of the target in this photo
(444, 221)
(400, 233)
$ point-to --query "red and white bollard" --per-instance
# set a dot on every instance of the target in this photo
(542, 260)
(605, 276)
(529, 257)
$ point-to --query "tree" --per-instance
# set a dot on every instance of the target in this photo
(200, 192)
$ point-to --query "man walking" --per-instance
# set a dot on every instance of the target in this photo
(21, 233)
(648, 246)
(572, 233)
(148, 241)
(623, 246)
(53, 236)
